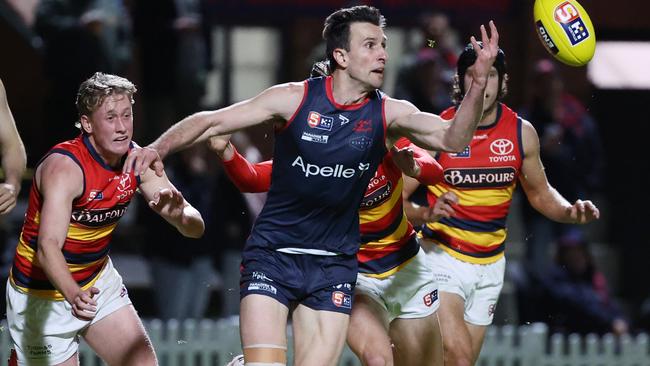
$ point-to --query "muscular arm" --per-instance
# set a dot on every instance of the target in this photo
(280, 101)
(169, 203)
(60, 180)
(13, 155)
(541, 195)
(277, 102)
(432, 132)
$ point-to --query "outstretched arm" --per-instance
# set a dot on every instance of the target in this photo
(541, 195)
(13, 156)
(432, 132)
(169, 203)
(277, 102)
(247, 177)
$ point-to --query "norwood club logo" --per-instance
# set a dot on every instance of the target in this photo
(316, 120)
(569, 18)
(363, 125)
(480, 177)
(341, 300)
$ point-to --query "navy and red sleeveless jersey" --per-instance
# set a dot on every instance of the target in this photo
(484, 177)
(323, 160)
(95, 213)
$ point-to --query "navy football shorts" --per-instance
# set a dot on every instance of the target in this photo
(318, 282)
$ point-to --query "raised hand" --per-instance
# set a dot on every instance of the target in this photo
(486, 52)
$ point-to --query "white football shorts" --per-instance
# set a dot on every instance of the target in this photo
(44, 331)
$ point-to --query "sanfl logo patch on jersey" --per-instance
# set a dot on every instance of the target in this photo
(95, 195)
(316, 120)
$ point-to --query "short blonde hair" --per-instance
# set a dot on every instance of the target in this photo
(93, 91)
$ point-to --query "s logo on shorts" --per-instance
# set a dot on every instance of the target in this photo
(341, 300)
(430, 298)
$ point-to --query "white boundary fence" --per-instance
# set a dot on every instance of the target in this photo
(209, 342)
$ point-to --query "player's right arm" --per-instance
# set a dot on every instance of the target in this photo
(247, 177)
(60, 181)
(277, 102)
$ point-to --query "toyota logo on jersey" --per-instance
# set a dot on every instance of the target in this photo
(502, 147)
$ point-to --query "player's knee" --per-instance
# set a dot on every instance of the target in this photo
(265, 355)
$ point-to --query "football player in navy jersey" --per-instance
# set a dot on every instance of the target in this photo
(333, 133)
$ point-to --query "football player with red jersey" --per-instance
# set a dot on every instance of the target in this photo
(466, 230)
(63, 283)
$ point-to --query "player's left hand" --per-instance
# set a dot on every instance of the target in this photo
(140, 159)
(404, 160)
(7, 197)
(582, 212)
(485, 56)
(169, 200)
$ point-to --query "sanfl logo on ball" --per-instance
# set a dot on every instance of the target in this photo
(569, 18)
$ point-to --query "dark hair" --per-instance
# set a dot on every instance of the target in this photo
(93, 91)
(336, 31)
(467, 59)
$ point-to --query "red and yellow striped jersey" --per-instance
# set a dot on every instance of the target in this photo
(106, 195)
(484, 177)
